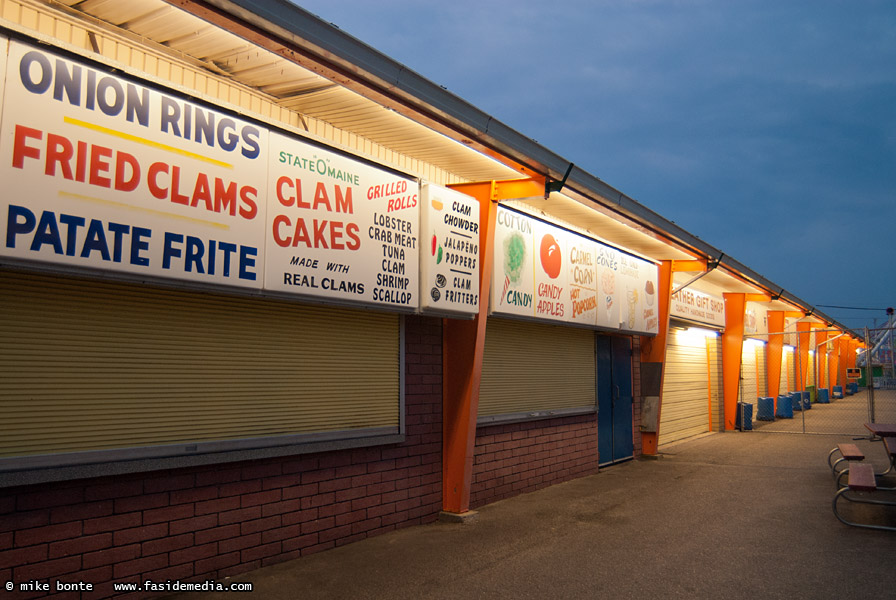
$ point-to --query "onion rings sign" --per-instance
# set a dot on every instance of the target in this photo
(105, 174)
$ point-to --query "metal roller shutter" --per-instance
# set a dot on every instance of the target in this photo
(536, 368)
(810, 370)
(761, 372)
(91, 365)
(792, 381)
(717, 402)
(785, 379)
(748, 391)
(686, 383)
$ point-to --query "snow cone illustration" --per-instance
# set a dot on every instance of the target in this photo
(608, 287)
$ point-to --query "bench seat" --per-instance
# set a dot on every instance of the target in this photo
(863, 481)
(848, 453)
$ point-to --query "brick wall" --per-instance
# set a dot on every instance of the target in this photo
(523, 457)
(209, 522)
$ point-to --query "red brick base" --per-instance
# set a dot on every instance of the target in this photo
(209, 522)
(523, 457)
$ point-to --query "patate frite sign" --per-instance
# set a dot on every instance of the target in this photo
(547, 273)
(102, 172)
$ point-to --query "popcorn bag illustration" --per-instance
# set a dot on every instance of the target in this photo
(632, 297)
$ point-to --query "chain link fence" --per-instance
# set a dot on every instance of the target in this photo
(878, 366)
(813, 396)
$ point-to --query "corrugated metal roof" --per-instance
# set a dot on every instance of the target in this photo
(306, 92)
(291, 85)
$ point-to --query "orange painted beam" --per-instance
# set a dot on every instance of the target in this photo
(851, 354)
(821, 358)
(689, 266)
(463, 347)
(757, 297)
(842, 361)
(732, 347)
(833, 361)
(775, 351)
(653, 349)
(804, 336)
(502, 190)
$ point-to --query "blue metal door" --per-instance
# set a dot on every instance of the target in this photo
(614, 398)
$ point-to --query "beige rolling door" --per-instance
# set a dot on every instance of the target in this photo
(810, 369)
(791, 372)
(536, 368)
(90, 365)
(748, 392)
(717, 404)
(685, 409)
(761, 371)
(784, 384)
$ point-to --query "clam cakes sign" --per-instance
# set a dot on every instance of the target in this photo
(102, 172)
(340, 228)
(551, 274)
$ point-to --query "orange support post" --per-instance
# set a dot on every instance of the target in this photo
(851, 353)
(775, 352)
(732, 348)
(821, 359)
(842, 359)
(653, 355)
(463, 346)
(805, 338)
(833, 360)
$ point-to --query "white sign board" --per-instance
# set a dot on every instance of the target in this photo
(548, 273)
(756, 320)
(692, 305)
(340, 228)
(449, 262)
(103, 172)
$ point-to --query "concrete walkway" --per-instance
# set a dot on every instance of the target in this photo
(735, 515)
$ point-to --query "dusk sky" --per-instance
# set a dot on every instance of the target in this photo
(767, 127)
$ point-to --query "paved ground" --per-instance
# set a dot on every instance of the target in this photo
(844, 416)
(735, 515)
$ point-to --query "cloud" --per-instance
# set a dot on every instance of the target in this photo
(766, 127)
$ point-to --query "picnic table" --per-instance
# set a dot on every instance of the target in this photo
(882, 429)
(862, 486)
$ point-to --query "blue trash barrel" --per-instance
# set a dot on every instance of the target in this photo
(784, 409)
(765, 409)
(744, 418)
(823, 396)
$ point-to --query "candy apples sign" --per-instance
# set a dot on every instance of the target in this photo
(548, 273)
(551, 291)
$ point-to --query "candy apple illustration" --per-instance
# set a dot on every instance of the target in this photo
(551, 260)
